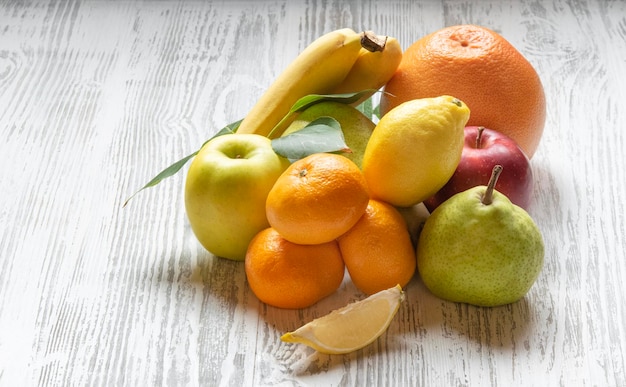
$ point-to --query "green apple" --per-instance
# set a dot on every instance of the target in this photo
(225, 191)
(356, 126)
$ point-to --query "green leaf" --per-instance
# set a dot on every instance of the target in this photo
(312, 99)
(167, 172)
(369, 110)
(228, 129)
(376, 112)
(366, 107)
(321, 135)
(178, 165)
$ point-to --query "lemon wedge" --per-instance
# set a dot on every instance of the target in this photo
(352, 327)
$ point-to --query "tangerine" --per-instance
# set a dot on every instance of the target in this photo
(377, 251)
(317, 198)
(292, 276)
(481, 68)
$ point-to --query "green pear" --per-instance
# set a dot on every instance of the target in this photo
(479, 248)
(356, 126)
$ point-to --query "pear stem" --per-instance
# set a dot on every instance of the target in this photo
(479, 137)
(488, 196)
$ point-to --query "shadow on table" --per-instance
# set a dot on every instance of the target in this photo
(504, 327)
(424, 323)
(427, 327)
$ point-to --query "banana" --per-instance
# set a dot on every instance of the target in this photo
(318, 69)
(372, 69)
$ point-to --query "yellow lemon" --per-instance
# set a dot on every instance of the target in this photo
(414, 149)
(352, 327)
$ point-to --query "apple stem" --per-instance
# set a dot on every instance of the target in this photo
(479, 137)
(488, 196)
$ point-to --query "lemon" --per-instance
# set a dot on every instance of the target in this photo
(352, 327)
(414, 149)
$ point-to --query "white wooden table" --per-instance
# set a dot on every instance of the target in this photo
(96, 97)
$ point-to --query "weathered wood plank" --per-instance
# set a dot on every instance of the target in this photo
(97, 97)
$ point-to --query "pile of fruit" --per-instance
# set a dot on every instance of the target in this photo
(306, 187)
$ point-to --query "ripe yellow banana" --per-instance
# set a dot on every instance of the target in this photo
(372, 69)
(318, 69)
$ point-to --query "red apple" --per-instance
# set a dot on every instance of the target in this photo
(483, 149)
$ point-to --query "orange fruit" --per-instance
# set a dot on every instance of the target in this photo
(289, 275)
(377, 251)
(481, 68)
(317, 199)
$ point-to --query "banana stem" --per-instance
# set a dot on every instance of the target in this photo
(372, 42)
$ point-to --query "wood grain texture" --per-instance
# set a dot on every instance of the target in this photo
(96, 97)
